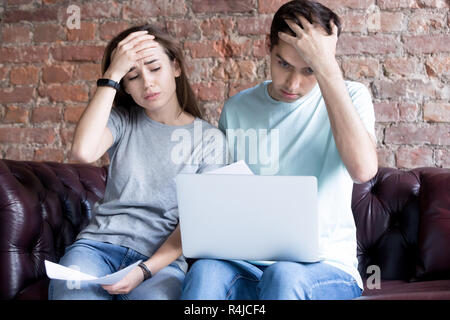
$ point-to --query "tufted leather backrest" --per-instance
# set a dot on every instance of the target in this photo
(43, 206)
(387, 216)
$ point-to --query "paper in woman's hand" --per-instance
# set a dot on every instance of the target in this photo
(57, 271)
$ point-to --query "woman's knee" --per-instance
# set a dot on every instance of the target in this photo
(84, 260)
(164, 285)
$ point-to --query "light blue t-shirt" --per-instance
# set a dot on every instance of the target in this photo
(278, 138)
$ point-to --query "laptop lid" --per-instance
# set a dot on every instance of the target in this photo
(248, 217)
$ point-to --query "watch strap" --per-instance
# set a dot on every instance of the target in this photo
(108, 83)
(145, 270)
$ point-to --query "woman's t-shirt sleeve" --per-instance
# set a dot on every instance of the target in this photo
(117, 121)
(215, 151)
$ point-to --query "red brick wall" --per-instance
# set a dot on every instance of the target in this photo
(399, 48)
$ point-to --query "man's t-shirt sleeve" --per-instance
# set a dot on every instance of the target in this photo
(223, 120)
(362, 101)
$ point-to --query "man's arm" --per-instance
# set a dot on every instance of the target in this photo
(356, 146)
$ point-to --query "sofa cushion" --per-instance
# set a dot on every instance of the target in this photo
(434, 227)
(386, 212)
(403, 290)
(43, 206)
(35, 291)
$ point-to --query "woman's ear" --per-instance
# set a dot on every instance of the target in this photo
(177, 69)
(124, 86)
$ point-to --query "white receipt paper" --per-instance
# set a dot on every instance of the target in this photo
(57, 271)
(239, 167)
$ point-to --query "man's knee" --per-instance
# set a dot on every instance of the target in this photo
(208, 266)
(285, 272)
(206, 279)
(285, 280)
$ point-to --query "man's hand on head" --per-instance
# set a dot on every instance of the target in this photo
(314, 45)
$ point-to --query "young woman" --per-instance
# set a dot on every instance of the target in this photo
(142, 106)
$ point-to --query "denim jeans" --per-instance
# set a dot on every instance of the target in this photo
(99, 259)
(239, 280)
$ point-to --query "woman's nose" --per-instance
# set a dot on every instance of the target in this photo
(147, 78)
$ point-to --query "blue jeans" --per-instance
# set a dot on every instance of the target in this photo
(99, 259)
(239, 280)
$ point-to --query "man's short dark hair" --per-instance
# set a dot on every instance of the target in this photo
(312, 11)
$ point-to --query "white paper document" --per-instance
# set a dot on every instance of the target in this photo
(57, 271)
(239, 167)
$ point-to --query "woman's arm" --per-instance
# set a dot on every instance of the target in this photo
(92, 136)
(165, 255)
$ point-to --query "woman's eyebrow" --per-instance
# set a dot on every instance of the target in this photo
(145, 63)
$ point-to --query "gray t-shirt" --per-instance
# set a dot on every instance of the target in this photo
(139, 209)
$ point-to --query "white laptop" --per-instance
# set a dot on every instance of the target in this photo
(248, 217)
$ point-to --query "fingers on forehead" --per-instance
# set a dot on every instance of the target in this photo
(304, 21)
(293, 25)
(134, 36)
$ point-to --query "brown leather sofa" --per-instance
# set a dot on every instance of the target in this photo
(402, 219)
(403, 227)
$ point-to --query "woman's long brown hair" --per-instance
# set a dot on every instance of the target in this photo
(185, 94)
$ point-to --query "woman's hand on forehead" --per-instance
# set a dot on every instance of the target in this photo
(137, 48)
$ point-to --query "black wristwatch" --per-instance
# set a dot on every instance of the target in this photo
(108, 83)
(145, 270)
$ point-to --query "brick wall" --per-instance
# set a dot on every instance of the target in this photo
(399, 48)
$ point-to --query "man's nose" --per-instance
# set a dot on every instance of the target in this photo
(293, 82)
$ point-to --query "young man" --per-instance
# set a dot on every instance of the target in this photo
(324, 128)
